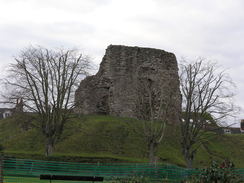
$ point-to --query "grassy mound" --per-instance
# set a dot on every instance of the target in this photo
(110, 139)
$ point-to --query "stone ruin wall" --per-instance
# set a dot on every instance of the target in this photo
(113, 90)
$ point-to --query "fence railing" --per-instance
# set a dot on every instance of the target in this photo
(23, 170)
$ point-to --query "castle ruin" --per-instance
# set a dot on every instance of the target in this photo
(114, 89)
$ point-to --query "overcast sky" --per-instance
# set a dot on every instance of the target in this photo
(212, 29)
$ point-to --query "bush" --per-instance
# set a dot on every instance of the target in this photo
(218, 173)
(131, 180)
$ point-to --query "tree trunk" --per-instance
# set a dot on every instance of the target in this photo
(189, 162)
(49, 146)
(1, 167)
(152, 151)
(189, 159)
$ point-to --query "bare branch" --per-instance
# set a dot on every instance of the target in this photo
(46, 80)
(205, 93)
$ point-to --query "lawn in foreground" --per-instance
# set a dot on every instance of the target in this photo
(15, 179)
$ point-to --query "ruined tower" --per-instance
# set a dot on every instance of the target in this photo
(114, 89)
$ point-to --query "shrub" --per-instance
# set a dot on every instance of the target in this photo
(131, 180)
(218, 173)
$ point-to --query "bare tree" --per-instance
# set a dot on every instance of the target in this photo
(45, 80)
(206, 98)
(153, 103)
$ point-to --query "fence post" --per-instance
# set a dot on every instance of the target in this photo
(1, 167)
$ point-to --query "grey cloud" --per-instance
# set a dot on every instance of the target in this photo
(210, 28)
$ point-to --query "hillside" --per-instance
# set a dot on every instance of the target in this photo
(110, 139)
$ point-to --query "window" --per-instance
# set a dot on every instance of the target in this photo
(227, 131)
(6, 114)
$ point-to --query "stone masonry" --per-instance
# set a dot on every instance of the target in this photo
(114, 89)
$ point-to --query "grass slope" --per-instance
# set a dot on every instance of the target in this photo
(110, 139)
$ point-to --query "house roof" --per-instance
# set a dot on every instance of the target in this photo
(5, 109)
(235, 130)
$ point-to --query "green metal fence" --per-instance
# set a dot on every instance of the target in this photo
(29, 171)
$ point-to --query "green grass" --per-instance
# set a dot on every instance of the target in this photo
(110, 139)
(11, 179)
